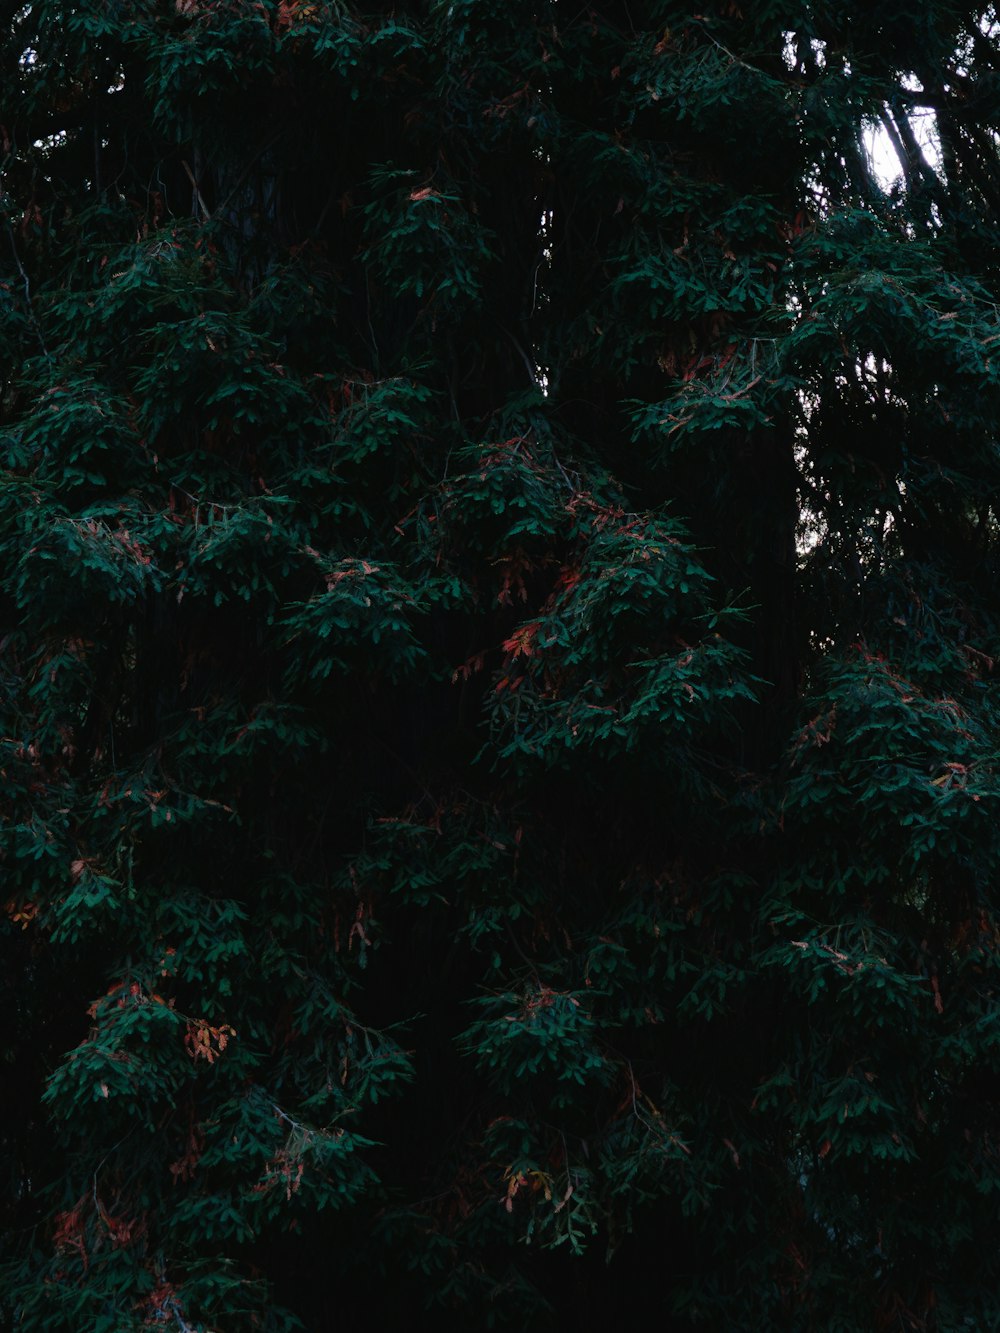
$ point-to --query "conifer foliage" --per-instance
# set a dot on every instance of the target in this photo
(498, 620)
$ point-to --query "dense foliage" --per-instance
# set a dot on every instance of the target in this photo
(499, 733)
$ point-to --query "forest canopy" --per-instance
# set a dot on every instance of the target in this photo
(499, 724)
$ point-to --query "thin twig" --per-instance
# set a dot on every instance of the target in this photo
(27, 294)
(197, 193)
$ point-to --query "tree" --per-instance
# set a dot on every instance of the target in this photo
(499, 731)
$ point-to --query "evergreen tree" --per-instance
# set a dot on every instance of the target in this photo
(499, 733)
